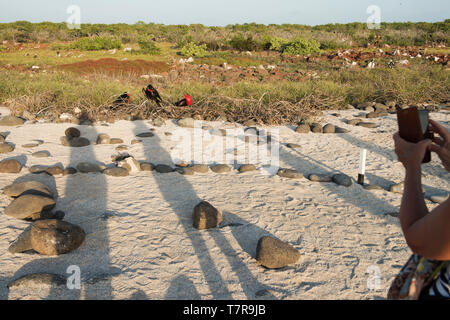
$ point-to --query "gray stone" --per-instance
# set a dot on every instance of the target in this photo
(86, 167)
(27, 187)
(290, 173)
(342, 180)
(41, 154)
(115, 141)
(316, 128)
(273, 253)
(329, 128)
(247, 167)
(200, 168)
(367, 124)
(221, 168)
(145, 135)
(75, 142)
(186, 123)
(147, 166)
(205, 216)
(163, 168)
(185, 171)
(11, 121)
(39, 280)
(37, 168)
(372, 115)
(10, 166)
(303, 128)
(54, 237)
(29, 206)
(6, 147)
(396, 188)
(354, 121)
(439, 199)
(103, 138)
(116, 172)
(30, 145)
(318, 177)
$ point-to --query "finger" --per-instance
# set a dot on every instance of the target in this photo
(439, 129)
(435, 148)
(439, 141)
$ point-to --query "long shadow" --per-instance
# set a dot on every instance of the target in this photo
(87, 211)
(389, 154)
(183, 209)
(307, 165)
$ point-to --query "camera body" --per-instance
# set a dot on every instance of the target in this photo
(413, 127)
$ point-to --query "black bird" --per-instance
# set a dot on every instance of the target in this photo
(122, 99)
(152, 94)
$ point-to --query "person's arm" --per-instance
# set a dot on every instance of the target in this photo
(427, 234)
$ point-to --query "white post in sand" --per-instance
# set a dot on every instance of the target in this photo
(362, 166)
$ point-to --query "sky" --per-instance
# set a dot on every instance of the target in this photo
(221, 12)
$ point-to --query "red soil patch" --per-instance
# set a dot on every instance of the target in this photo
(112, 66)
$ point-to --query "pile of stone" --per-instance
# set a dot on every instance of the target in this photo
(48, 235)
(73, 138)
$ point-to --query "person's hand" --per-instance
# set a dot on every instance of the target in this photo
(410, 154)
(441, 144)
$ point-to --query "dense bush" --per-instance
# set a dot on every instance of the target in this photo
(148, 46)
(96, 43)
(193, 50)
(242, 43)
(301, 46)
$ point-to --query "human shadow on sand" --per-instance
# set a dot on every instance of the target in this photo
(86, 210)
(182, 205)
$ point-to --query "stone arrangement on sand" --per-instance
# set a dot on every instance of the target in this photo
(48, 234)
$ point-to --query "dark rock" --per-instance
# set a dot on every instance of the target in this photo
(37, 168)
(72, 133)
(341, 130)
(75, 142)
(41, 154)
(273, 253)
(55, 237)
(367, 124)
(205, 216)
(86, 167)
(342, 180)
(145, 135)
(316, 128)
(163, 168)
(22, 243)
(30, 145)
(69, 170)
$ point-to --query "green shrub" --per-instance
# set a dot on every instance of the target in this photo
(96, 43)
(301, 46)
(148, 46)
(241, 43)
(277, 44)
(193, 50)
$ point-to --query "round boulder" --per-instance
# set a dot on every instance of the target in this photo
(10, 166)
(54, 237)
(273, 253)
(205, 216)
(72, 133)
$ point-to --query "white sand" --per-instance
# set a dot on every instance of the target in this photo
(140, 242)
